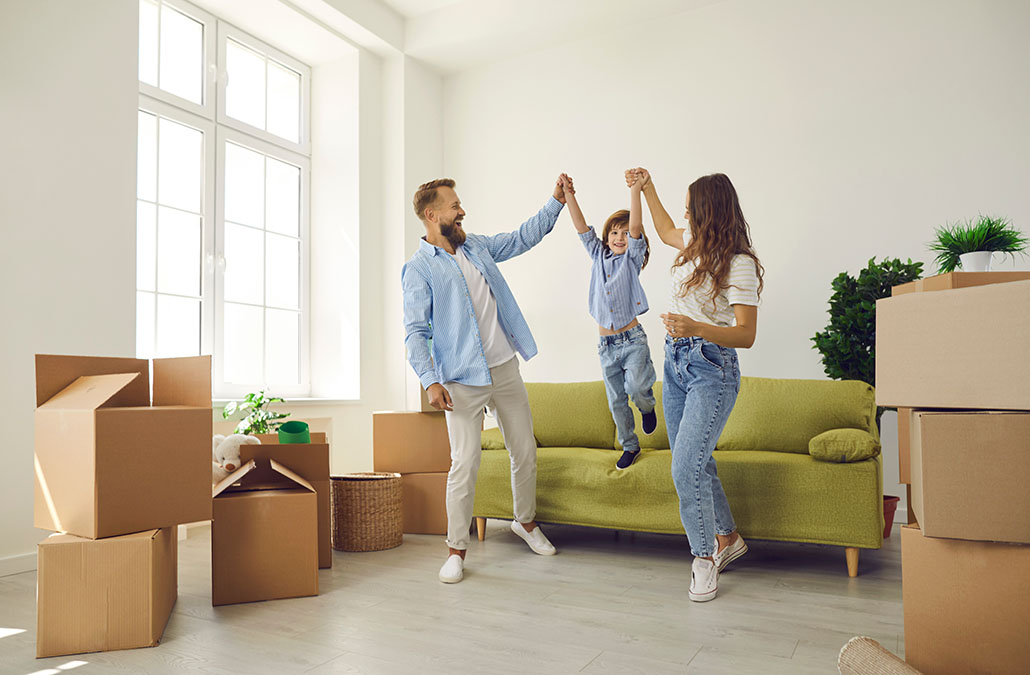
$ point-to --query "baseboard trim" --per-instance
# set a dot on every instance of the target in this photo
(16, 564)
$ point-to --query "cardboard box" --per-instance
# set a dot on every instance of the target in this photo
(104, 594)
(264, 538)
(410, 442)
(964, 348)
(953, 280)
(110, 461)
(970, 472)
(904, 448)
(425, 503)
(965, 604)
(310, 461)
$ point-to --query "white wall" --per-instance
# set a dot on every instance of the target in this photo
(850, 130)
(67, 213)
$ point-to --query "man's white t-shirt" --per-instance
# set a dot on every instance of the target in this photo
(496, 347)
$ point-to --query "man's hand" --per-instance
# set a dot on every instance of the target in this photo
(678, 325)
(559, 187)
(439, 397)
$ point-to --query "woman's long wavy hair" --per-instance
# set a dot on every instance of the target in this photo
(718, 232)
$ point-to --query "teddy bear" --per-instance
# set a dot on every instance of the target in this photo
(225, 454)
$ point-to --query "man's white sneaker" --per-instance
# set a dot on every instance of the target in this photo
(452, 570)
(704, 580)
(730, 553)
(536, 539)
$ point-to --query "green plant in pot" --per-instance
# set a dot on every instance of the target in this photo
(259, 420)
(848, 343)
(971, 245)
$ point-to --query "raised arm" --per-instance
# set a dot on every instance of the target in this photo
(663, 223)
(636, 216)
(570, 200)
(530, 233)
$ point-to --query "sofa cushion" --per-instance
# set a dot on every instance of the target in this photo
(844, 445)
(571, 414)
(784, 415)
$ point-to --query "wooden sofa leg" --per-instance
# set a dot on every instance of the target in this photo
(481, 528)
(852, 556)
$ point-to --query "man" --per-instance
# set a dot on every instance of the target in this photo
(455, 295)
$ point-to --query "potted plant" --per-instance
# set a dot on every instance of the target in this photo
(259, 420)
(848, 343)
(971, 245)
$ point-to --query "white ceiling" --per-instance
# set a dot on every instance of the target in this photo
(455, 35)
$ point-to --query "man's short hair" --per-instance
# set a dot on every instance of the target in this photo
(425, 195)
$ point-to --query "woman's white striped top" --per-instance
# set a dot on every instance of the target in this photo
(697, 304)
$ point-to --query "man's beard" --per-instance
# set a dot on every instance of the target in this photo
(454, 234)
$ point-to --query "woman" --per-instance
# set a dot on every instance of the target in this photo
(716, 283)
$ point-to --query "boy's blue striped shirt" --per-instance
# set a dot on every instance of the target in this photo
(616, 296)
(437, 305)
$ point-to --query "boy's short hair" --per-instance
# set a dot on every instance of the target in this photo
(620, 219)
(425, 195)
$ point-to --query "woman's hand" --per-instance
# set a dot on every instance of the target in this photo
(679, 326)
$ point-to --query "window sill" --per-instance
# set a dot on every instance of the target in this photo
(299, 401)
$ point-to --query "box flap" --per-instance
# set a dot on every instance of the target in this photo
(289, 474)
(90, 392)
(236, 475)
(55, 372)
(183, 381)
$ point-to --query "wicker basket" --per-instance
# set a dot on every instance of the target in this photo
(367, 511)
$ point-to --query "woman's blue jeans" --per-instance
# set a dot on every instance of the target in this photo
(702, 380)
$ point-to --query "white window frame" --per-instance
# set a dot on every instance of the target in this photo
(226, 389)
(229, 32)
(217, 128)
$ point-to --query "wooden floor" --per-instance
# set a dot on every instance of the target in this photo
(607, 603)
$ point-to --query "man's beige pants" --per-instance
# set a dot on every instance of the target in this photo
(506, 395)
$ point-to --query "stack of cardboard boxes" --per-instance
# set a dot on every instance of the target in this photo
(416, 445)
(116, 469)
(953, 354)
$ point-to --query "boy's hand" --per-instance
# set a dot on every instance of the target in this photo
(638, 175)
(559, 187)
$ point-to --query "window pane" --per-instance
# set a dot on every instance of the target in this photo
(144, 325)
(283, 102)
(146, 157)
(146, 242)
(244, 264)
(178, 252)
(282, 347)
(180, 164)
(148, 42)
(242, 344)
(282, 265)
(178, 326)
(182, 55)
(244, 185)
(282, 206)
(245, 88)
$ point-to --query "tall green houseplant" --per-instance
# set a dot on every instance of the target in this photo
(848, 343)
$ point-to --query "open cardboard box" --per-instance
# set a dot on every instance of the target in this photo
(264, 536)
(111, 461)
(970, 471)
(310, 461)
(965, 603)
(966, 348)
(97, 595)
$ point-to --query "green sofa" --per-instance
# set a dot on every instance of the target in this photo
(775, 489)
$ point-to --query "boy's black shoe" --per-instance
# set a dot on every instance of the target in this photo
(648, 422)
(626, 459)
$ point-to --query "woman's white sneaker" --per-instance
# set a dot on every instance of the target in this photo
(452, 570)
(730, 553)
(536, 539)
(704, 580)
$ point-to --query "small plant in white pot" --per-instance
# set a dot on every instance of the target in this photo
(970, 246)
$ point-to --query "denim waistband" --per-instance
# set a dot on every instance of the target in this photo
(692, 340)
(624, 336)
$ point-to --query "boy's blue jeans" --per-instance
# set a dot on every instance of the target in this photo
(702, 380)
(628, 373)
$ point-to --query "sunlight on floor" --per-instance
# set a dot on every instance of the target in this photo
(8, 632)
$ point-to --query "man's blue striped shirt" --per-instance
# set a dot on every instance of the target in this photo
(437, 304)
